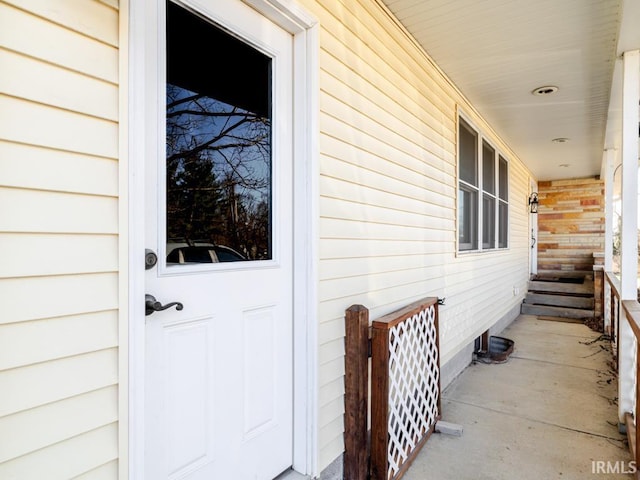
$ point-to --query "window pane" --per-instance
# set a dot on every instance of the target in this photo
(488, 168)
(503, 175)
(218, 145)
(467, 219)
(488, 222)
(468, 154)
(503, 226)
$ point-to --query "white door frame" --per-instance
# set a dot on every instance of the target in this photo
(533, 226)
(304, 28)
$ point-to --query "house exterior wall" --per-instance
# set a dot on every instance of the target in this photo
(388, 184)
(58, 239)
(570, 225)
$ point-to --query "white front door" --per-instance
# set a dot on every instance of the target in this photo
(219, 371)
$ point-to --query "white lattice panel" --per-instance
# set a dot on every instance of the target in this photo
(413, 385)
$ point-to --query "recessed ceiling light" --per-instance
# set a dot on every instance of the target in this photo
(560, 140)
(546, 90)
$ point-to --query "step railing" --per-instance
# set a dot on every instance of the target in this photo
(404, 388)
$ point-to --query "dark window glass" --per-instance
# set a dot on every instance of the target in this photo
(503, 230)
(218, 142)
(468, 153)
(488, 221)
(467, 219)
(488, 168)
(503, 178)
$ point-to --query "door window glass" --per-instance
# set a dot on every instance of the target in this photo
(218, 145)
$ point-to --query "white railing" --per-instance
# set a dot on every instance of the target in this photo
(623, 316)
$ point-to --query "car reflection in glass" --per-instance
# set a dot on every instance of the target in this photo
(203, 254)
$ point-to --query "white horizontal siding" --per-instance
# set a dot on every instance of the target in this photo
(34, 298)
(59, 239)
(374, 189)
(58, 45)
(50, 423)
(366, 114)
(402, 167)
(35, 124)
(66, 459)
(42, 82)
(107, 471)
(338, 127)
(388, 187)
(346, 248)
(38, 168)
(355, 230)
(57, 254)
(53, 338)
(76, 15)
(35, 385)
(41, 211)
(419, 117)
(332, 350)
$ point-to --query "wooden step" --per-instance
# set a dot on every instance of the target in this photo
(588, 274)
(560, 300)
(585, 288)
(550, 311)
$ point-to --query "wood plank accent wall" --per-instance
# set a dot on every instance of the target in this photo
(570, 225)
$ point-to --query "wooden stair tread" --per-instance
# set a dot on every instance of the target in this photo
(554, 311)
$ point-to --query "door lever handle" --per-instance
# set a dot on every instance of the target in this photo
(152, 305)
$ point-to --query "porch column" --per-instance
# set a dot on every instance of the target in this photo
(609, 186)
(629, 234)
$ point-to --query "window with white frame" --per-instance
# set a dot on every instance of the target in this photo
(483, 192)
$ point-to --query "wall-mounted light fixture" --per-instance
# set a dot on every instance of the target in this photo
(533, 202)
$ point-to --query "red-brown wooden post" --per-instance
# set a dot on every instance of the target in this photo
(379, 403)
(356, 391)
(437, 326)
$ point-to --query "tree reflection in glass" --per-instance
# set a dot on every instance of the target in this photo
(218, 143)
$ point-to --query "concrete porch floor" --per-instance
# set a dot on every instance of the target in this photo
(549, 412)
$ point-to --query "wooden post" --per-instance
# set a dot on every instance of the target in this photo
(437, 325)
(356, 392)
(379, 403)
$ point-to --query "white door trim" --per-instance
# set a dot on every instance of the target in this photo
(291, 17)
(533, 241)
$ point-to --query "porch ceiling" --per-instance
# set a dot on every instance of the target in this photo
(498, 51)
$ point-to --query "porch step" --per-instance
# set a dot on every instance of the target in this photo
(585, 288)
(560, 296)
(567, 274)
(553, 311)
(571, 301)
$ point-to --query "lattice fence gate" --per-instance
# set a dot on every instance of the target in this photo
(405, 388)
